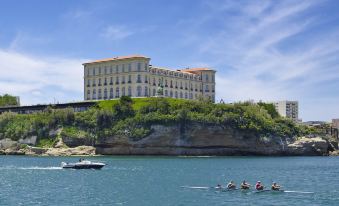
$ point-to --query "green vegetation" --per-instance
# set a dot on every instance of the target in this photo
(8, 100)
(132, 118)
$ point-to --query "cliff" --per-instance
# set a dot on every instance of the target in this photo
(200, 139)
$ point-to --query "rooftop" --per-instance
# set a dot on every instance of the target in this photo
(117, 58)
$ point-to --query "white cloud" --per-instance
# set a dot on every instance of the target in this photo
(38, 79)
(268, 55)
(116, 32)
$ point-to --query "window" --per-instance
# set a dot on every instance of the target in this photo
(94, 94)
(207, 88)
(105, 70)
(176, 94)
(93, 71)
(88, 82)
(206, 77)
(146, 91)
(146, 66)
(88, 71)
(181, 96)
(111, 81)
(154, 92)
(105, 93)
(139, 66)
(111, 70)
(191, 96)
(129, 91)
(117, 80)
(123, 68)
(99, 94)
(213, 78)
(123, 80)
(186, 97)
(166, 93)
(88, 94)
(139, 78)
(129, 67)
(99, 70)
(146, 79)
(105, 83)
(111, 93)
(123, 93)
(99, 84)
(139, 91)
(171, 94)
(129, 79)
(117, 94)
(93, 83)
(117, 69)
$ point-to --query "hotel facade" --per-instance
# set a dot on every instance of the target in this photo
(134, 76)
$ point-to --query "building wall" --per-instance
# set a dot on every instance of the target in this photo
(289, 109)
(335, 123)
(136, 78)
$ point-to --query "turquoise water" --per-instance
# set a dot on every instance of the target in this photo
(157, 181)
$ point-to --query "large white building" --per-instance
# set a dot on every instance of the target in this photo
(289, 109)
(134, 76)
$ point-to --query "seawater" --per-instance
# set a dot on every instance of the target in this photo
(144, 180)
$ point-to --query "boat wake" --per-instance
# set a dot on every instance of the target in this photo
(30, 168)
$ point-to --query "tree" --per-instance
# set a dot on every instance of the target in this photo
(8, 100)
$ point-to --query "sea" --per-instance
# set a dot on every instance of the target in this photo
(161, 180)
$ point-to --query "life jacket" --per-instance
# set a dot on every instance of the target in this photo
(258, 186)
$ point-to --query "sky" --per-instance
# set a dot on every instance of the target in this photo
(262, 50)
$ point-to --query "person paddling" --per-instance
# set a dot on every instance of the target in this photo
(275, 186)
(231, 185)
(259, 186)
(244, 185)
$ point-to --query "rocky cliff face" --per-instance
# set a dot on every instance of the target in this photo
(193, 139)
(199, 139)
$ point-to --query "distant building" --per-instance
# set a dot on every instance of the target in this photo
(289, 109)
(134, 76)
(335, 123)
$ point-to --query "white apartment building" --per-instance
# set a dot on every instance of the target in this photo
(134, 76)
(289, 109)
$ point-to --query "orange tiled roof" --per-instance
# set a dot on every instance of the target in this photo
(195, 70)
(117, 58)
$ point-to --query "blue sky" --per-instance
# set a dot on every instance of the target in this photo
(262, 50)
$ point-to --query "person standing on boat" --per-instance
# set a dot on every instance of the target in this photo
(275, 186)
(244, 185)
(259, 186)
(231, 185)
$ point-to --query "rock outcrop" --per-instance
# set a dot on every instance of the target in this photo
(190, 139)
(200, 139)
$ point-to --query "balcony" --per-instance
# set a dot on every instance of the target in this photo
(171, 86)
(99, 85)
(207, 90)
(181, 87)
(88, 85)
(93, 85)
(176, 87)
(196, 90)
(138, 81)
(111, 83)
(166, 85)
(129, 82)
(105, 84)
(146, 82)
(186, 88)
(116, 82)
(213, 90)
(154, 84)
(122, 82)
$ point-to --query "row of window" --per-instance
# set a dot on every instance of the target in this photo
(115, 69)
(169, 84)
(180, 74)
(110, 94)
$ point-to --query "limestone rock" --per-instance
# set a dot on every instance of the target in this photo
(309, 146)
